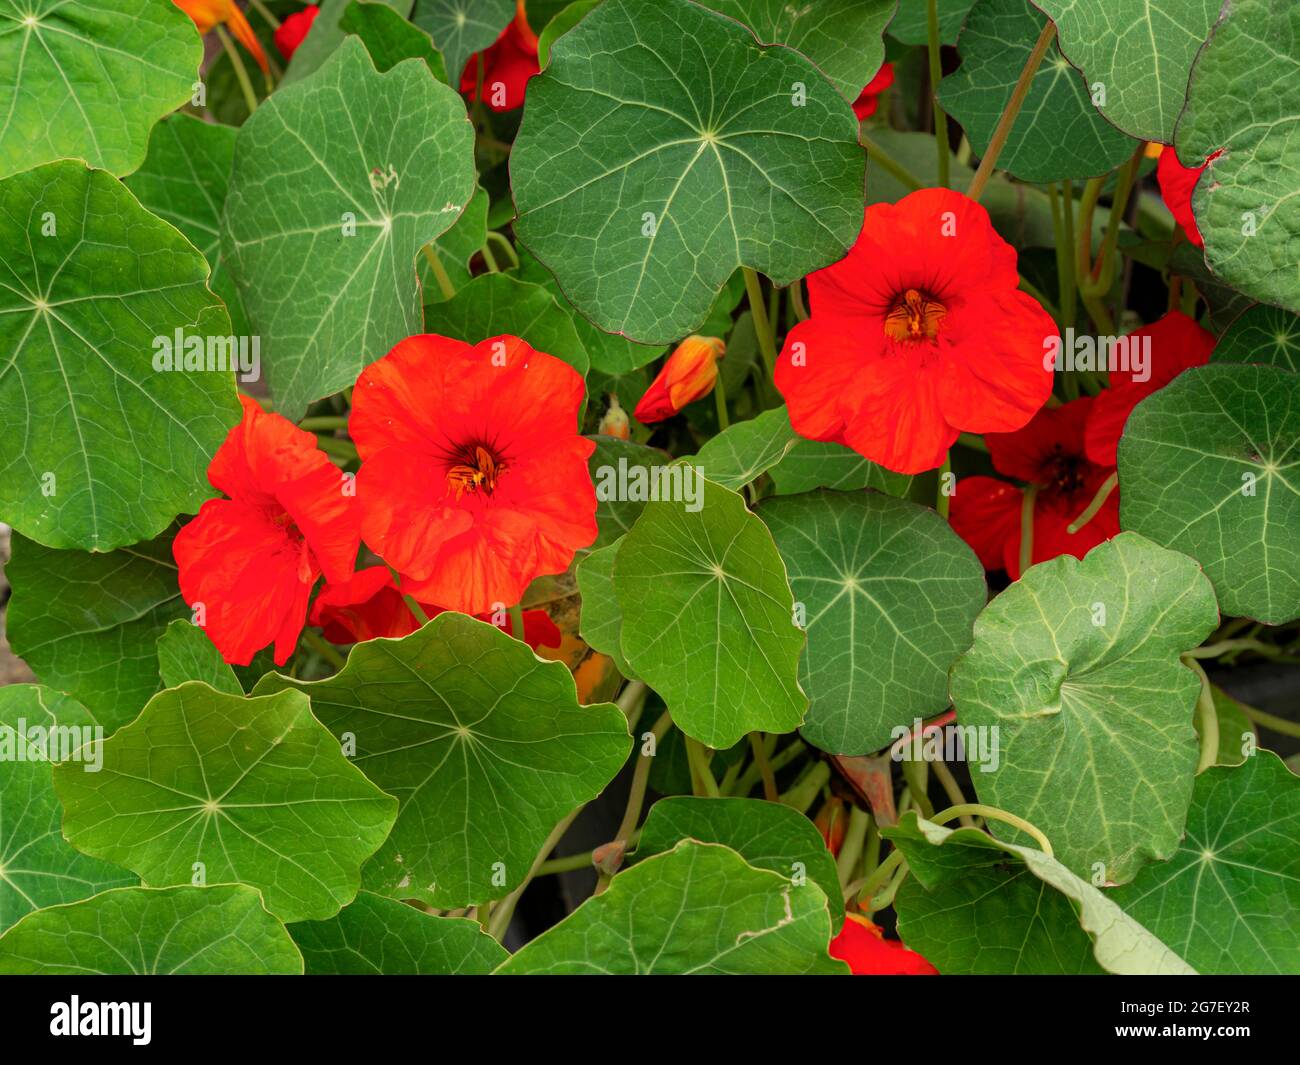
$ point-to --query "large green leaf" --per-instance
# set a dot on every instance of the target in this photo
(1209, 466)
(207, 787)
(102, 450)
(89, 623)
(601, 622)
(699, 908)
(911, 24)
(708, 618)
(38, 867)
(1261, 334)
(390, 38)
(462, 27)
(974, 905)
(767, 835)
(1059, 133)
(843, 37)
(497, 304)
(662, 148)
(185, 653)
(215, 931)
(889, 594)
(484, 744)
(389, 153)
(1139, 51)
(88, 78)
(1076, 667)
(1229, 898)
(745, 451)
(378, 935)
(326, 36)
(1244, 100)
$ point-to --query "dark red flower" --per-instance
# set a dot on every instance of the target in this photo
(1176, 343)
(920, 332)
(868, 953)
(370, 606)
(250, 561)
(507, 66)
(1049, 454)
(293, 30)
(1177, 182)
(865, 105)
(474, 479)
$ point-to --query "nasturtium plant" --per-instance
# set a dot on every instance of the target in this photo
(763, 487)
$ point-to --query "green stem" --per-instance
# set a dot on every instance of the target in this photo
(1027, 528)
(323, 648)
(886, 898)
(805, 790)
(880, 875)
(952, 789)
(1280, 725)
(1098, 501)
(325, 422)
(491, 260)
(891, 166)
(506, 246)
(942, 499)
(916, 773)
(506, 908)
(569, 864)
(1008, 118)
(855, 835)
(936, 72)
(796, 301)
(720, 401)
(699, 760)
(975, 443)
(517, 622)
(237, 63)
(762, 326)
(640, 780)
(439, 272)
(1207, 718)
(764, 767)
(992, 813)
(265, 12)
(338, 447)
(1070, 293)
(752, 775)
(1267, 650)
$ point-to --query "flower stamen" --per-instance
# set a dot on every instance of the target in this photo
(483, 471)
(916, 316)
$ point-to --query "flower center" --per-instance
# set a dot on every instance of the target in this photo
(1064, 473)
(915, 316)
(477, 470)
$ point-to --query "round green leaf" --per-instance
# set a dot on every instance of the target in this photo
(708, 618)
(1059, 133)
(230, 789)
(1076, 667)
(104, 450)
(1208, 466)
(767, 835)
(1138, 52)
(889, 594)
(213, 931)
(1242, 101)
(747, 450)
(374, 935)
(386, 158)
(462, 27)
(89, 623)
(88, 78)
(699, 908)
(483, 743)
(974, 905)
(1229, 897)
(38, 867)
(662, 148)
(1263, 334)
(185, 653)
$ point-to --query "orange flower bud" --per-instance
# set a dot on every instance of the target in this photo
(615, 422)
(831, 822)
(688, 375)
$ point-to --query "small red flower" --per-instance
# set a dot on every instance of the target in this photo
(688, 374)
(293, 30)
(251, 560)
(474, 479)
(1177, 182)
(507, 66)
(1047, 453)
(1177, 343)
(868, 953)
(920, 332)
(865, 105)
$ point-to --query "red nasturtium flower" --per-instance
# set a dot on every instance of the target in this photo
(507, 65)
(209, 13)
(865, 105)
(369, 605)
(688, 374)
(1177, 182)
(868, 953)
(473, 478)
(1047, 453)
(293, 30)
(1177, 343)
(251, 559)
(920, 332)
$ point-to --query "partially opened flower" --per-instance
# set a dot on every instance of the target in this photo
(207, 14)
(865, 105)
(1177, 183)
(1175, 343)
(1048, 454)
(507, 65)
(919, 333)
(862, 944)
(247, 563)
(688, 374)
(474, 479)
(293, 30)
